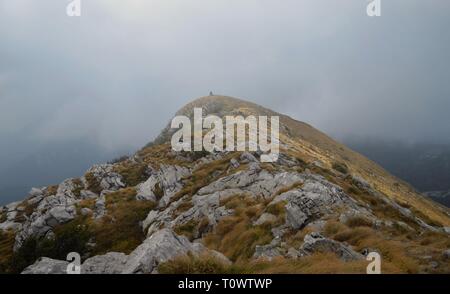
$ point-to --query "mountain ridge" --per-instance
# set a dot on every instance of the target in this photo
(163, 211)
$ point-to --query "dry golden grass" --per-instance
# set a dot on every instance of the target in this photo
(92, 183)
(6, 250)
(358, 221)
(133, 173)
(394, 253)
(235, 236)
(51, 190)
(120, 229)
(314, 264)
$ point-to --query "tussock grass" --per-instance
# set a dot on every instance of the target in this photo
(236, 236)
(120, 229)
(394, 253)
(92, 183)
(51, 190)
(190, 264)
(6, 251)
(133, 173)
(316, 263)
(358, 221)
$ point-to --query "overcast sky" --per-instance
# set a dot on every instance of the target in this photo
(115, 75)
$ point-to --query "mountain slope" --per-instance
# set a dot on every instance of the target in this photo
(320, 208)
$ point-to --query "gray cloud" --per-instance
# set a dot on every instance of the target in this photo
(115, 75)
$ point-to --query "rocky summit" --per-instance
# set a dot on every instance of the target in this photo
(320, 208)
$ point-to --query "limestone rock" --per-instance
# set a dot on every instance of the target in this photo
(110, 263)
(295, 217)
(268, 251)
(265, 218)
(315, 242)
(160, 247)
(45, 265)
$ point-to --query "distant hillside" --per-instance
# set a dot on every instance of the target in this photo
(425, 166)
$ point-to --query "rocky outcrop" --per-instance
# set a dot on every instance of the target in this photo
(51, 211)
(110, 263)
(162, 246)
(255, 182)
(163, 184)
(316, 197)
(315, 242)
(47, 265)
(107, 178)
(268, 251)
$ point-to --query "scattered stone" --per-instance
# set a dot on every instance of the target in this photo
(265, 218)
(295, 217)
(160, 247)
(446, 254)
(86, 194)
(110, 263)
(234, 163)
(45, 265)
(315, 242)
(268, 251)
(85, 211)
(100, 207)
(293, 253)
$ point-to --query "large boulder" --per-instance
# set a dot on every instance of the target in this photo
(110, 263)
(160, 247)
(45, 265)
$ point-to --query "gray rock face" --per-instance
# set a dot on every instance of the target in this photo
(46, 265)
(268, 251)
(314, 199)
(50, 211)
(169, 178)
(295, 217)
(108, 179)
(85, 211)
(100, 206)
(146, 190)
(258, 183)
(265, 218)
(160, 247)
(315, 242)
(110, 263)
(10, 225)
